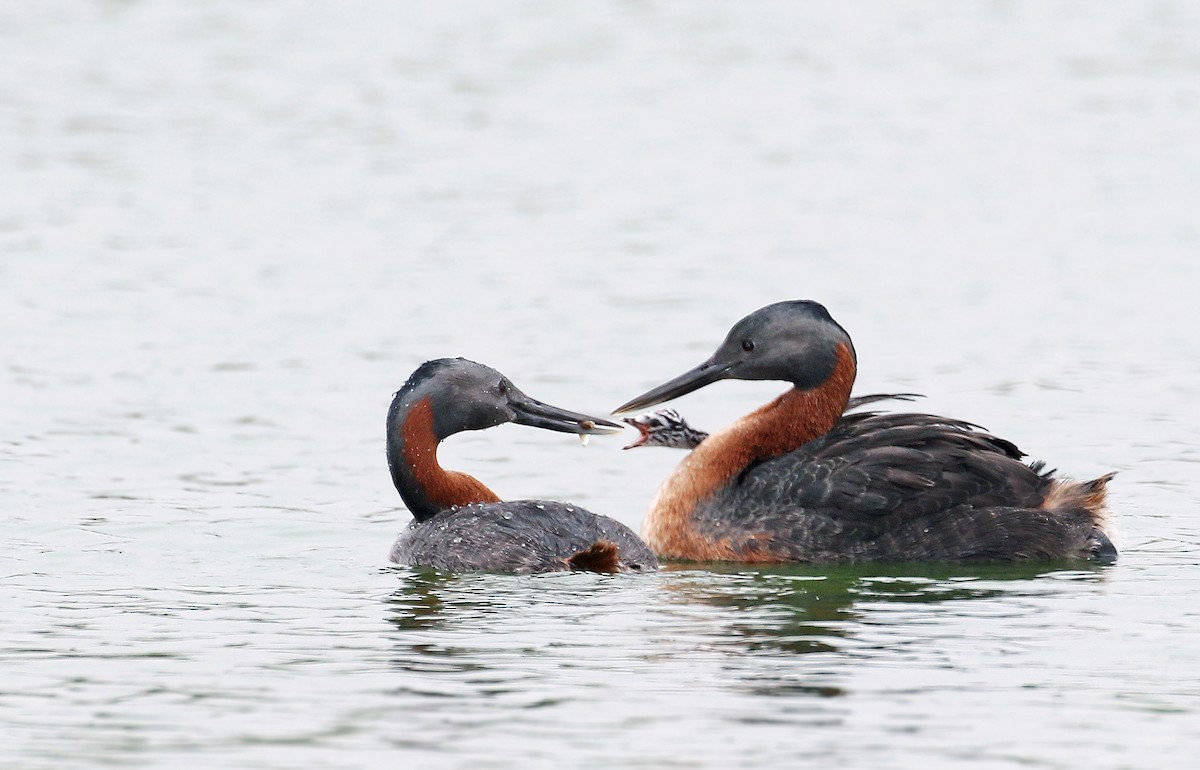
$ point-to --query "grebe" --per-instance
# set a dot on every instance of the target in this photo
(798, 481)
(667, 428)
(459, 524)
(664, 427)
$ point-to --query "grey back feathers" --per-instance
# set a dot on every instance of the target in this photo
(523, 537)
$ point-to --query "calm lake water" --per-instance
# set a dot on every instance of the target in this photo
(229, 231)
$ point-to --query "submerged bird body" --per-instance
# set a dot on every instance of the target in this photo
(799, 481)
(461, 525)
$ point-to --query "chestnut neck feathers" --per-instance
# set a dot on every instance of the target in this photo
(790, 420)
(423, 484)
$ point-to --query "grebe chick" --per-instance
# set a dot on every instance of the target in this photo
(460, 525)
(797, 480)
(667, 428)
(664, 427)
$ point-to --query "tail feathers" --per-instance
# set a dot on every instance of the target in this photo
(1090, 496)
(601, 556)
(1096, 492)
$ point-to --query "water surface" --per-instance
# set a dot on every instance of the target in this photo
(229, 231)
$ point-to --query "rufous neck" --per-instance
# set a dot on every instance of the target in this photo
(798, 416)
(426, 488)
(786, 423)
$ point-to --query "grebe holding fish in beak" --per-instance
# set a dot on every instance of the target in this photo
(797, 480)
(459, 524)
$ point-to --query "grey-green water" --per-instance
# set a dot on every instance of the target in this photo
(228, 231)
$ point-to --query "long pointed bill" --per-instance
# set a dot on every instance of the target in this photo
(705, 374)
(538, 415)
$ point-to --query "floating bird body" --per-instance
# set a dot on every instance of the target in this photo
(797, 480)
(459, 524)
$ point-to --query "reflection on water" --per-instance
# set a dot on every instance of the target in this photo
(792, 610)
(709, 650)
(804, 609)
(417, 604)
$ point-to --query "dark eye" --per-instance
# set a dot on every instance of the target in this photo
(502, 388)
(747, 345)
